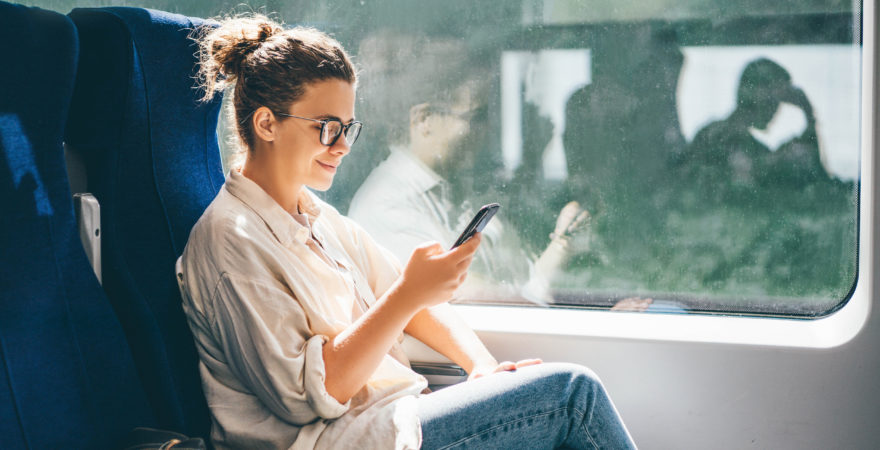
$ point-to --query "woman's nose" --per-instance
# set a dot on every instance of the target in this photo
(341, 146)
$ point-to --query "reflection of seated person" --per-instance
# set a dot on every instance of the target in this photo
(406, 201)
(621, 132)
(624, 122)
(727, 150)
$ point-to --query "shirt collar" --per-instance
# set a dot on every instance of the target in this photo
(411, 171)
(285, 228)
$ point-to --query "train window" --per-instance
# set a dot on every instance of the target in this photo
(679, 157)
(695, 157)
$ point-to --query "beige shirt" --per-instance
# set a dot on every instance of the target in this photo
(262, 293)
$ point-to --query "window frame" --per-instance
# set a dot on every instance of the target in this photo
(837, 327)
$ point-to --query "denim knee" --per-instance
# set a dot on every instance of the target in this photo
(578, 370)
(573, 373)
(578, 386)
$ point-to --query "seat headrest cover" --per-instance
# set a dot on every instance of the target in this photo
(36, 83)
(117, 42)
(102, 80)
(138, 72)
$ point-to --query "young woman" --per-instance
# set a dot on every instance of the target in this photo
(298, 314)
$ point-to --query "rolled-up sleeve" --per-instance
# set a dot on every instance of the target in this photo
(264, 332)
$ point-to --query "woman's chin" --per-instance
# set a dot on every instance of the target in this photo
(320, 186)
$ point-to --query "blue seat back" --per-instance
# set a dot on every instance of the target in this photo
(153, 162)
(67, 379)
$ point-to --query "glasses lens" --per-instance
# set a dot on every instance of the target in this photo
(354, 130)
(330, 131)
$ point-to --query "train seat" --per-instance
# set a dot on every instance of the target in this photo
(67, 378)
(153, 162)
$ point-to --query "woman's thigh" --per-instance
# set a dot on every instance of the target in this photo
(543, 406)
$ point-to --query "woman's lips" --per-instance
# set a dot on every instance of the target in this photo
(327, 167)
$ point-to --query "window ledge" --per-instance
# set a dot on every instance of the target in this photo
(831, 331)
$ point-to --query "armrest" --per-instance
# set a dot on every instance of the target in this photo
(440, 375)
(436, 368)
(88, 218)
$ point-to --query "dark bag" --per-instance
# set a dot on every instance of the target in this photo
(152, 439)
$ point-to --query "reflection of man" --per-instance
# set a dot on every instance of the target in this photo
(727, 151)
(778, 221)
(405, 202)
(621, 132)
(404, 197)
(624, 124)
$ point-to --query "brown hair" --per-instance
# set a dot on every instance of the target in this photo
(266, 64)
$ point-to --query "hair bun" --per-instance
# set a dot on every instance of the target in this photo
(224, 50)
(238, 39)
(266, 31)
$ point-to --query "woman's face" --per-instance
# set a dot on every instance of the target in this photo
(301, 152)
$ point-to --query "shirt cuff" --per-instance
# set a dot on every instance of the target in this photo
(324, 405)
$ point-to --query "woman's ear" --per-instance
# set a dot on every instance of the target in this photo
(264, 124)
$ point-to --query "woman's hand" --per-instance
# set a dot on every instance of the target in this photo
(429, 278)
(505, 366)
(432, 273)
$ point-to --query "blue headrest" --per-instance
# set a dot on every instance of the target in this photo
(153, 162)
(67, 379)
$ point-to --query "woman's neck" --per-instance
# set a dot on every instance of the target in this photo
(275, 182)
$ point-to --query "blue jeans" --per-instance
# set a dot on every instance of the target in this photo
(551, 405)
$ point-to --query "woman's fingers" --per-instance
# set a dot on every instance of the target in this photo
(428, 249)
(528, 362)
(467, 249)
(508, 366)
(505, 366)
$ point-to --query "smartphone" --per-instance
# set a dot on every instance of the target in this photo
(481, 218)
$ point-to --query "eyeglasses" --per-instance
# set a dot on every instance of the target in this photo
(331, 129)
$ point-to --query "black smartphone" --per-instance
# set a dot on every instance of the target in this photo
(481, 218)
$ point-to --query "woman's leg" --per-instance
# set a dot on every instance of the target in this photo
(550, 405)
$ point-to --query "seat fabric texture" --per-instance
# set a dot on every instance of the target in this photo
(153, 162)
(67, 377)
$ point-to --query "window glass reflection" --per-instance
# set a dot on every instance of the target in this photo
(675, 157)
